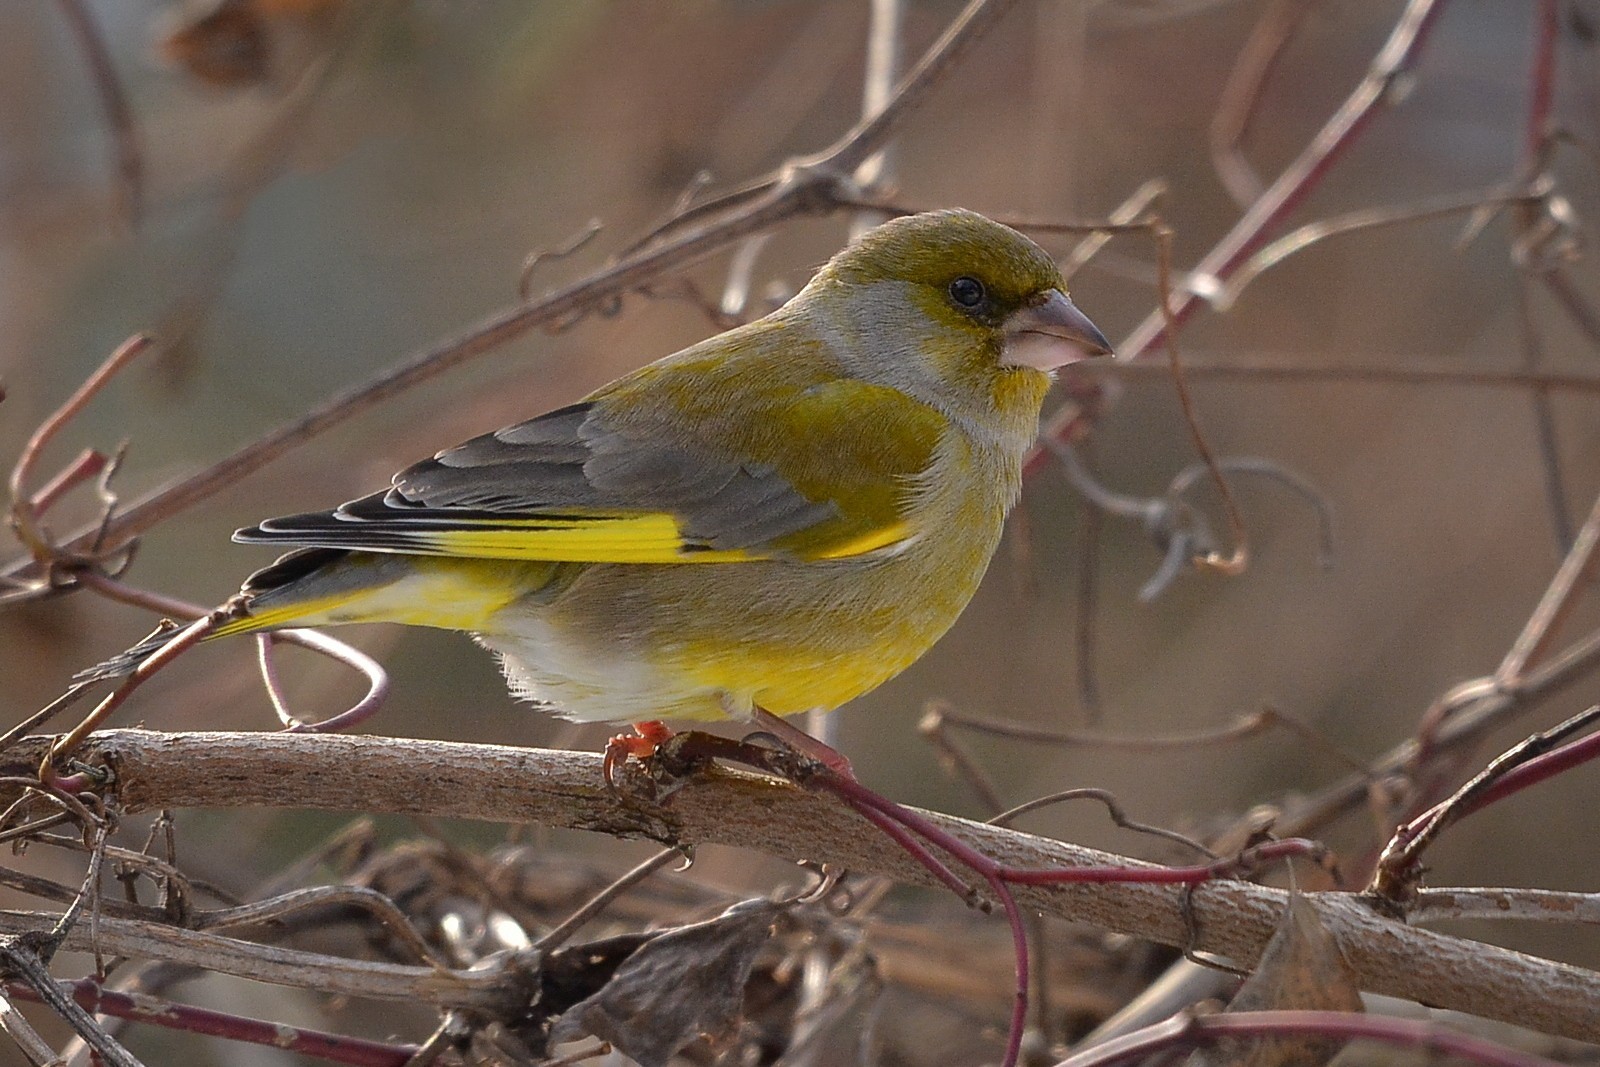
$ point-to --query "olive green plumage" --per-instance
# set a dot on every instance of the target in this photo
(784, 515)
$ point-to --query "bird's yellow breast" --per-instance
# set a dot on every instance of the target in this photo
(682, 642)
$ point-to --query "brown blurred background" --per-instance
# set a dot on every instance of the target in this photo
(426, 148)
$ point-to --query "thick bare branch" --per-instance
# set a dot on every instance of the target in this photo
(566, 789)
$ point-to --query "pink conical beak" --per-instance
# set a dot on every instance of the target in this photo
(1051, 333)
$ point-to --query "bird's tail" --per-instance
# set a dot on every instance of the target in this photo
(127, 661)
(330, 587)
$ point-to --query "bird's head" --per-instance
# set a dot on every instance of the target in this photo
(957, 309)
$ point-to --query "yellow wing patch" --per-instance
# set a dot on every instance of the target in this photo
(871, 541)
(649, 538)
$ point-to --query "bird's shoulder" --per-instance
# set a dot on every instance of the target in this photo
(776, 395)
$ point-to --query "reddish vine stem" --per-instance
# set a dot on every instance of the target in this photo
(1520, 669)
(1539, 768)
(168, 647)
(24, 511)
(89, 464)
(1307, 171)
(29, 972)
(689, 750)
(1535, 151)
(191, 1018)
(1282, 197)
(1542, 83)
(1536, 759)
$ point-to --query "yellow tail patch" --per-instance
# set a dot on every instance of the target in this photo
(442, 593)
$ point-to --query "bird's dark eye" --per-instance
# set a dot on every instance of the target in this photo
(968, 292)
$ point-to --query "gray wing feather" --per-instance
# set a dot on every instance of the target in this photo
(565, 460)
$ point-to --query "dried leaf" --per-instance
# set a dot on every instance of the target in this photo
(1302, 967)
(571, 975)
(683, 983)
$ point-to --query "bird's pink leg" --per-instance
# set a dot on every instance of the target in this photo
(641, 744)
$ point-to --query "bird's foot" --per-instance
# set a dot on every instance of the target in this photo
(674, 756)
(641, 745)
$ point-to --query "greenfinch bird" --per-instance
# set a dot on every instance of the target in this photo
(781, 517)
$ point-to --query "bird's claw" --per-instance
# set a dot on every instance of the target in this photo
(639, 745)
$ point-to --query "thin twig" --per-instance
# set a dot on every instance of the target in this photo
(485, 988)
(741, 273)
(180, 642)
(27, 1039)
(1576, 573)
(453, 1029)
(1531, 761)
(954, 757)
(1234, 367)
(559, 934)
(28, 830)
(1242, 94)
(1573, 301)
(340, 652)
(877, 91)
(23, 515)
(88, 896)
(1113, 808)
(1245, 726)
(1536, 139)
(1515, 905)
(1180, 531)
(377, 678)
(1186, 1031)
(45, 889)
(540, 256)
(1304, 174)
(1544, 418)
(377, 906)
(1499, 196)
(88, 464)
(1485, 707)
(29, 973)
(114, 102)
